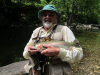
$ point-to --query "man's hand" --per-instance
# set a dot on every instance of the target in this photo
(50, 51)
(32, 50)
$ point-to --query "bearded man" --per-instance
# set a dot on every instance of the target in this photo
(60, 57)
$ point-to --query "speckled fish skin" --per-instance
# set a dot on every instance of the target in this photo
(58, 44)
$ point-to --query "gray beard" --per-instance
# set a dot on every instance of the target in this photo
(48, 24)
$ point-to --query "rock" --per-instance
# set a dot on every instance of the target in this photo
(16, 68)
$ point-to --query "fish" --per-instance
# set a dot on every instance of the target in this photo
(58, 44)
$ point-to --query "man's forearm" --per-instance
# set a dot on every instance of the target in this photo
(71, 56)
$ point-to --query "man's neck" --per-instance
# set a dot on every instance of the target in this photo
(49, 28)
(46, 29)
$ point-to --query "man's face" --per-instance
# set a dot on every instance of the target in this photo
(48, 18)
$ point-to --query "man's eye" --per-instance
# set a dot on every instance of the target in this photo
(51, 15)
(48, 15)
(44, 15)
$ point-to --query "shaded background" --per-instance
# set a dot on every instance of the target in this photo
(18, 19)
(12, 43)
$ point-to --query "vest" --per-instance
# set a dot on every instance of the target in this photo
(56, 66)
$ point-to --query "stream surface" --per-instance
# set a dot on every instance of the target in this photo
(12, 43)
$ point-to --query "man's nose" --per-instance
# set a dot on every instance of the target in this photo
(48, 16)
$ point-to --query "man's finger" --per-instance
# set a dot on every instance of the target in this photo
(32, 48)
(45, 52)
(46, 45)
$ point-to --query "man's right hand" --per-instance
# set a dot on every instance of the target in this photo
(32, 50)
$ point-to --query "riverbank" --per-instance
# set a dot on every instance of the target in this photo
(89, 65)
(16, 68)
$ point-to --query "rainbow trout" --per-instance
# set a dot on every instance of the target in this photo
(58, 44)
(41, 60)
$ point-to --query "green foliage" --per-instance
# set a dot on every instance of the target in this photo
(89, 11)
(62, 19)
(18, 59)
(18, 14)
(24, 12)
(83, 11)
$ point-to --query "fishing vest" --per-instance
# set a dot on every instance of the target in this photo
(56, 66)
(57, 34)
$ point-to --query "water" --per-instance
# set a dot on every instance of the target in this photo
(12, 43)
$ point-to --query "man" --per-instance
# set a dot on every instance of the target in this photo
(59, 64)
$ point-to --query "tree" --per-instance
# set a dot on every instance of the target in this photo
(67, 7)
(90, 11)
(77, 10)
(82, 11)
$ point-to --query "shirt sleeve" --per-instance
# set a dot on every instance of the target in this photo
(73, 55)
(34, 34)
(25, 53)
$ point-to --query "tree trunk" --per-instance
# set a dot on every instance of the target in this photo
(71, 17)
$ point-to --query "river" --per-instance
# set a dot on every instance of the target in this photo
(12, 43)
